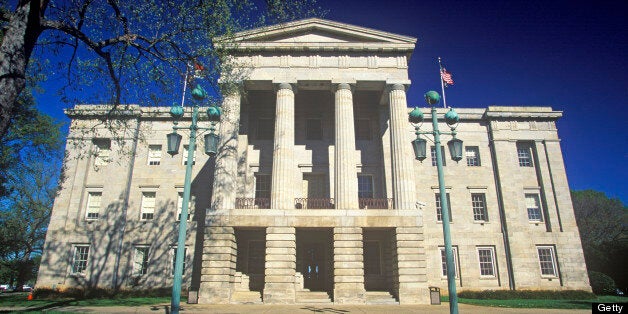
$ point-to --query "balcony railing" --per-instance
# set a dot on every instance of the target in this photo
(252, 203)
(314, 203)
(376, 203)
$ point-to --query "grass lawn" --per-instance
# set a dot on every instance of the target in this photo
(542, 304)
(18, 300)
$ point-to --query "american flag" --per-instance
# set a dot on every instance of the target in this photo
(446, 76)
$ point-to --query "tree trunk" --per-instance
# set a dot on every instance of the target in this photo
(17, 45)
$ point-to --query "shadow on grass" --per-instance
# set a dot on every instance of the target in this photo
(40, 307)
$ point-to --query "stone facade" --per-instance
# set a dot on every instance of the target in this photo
(315, 195)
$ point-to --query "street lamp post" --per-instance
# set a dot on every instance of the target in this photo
(174, 141)
(455, 148)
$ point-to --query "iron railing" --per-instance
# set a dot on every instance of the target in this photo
(252, 203)
(314, 203)
(376, 203)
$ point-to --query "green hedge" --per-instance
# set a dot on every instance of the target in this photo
(97, 293)
(601, 283)
(528, 294)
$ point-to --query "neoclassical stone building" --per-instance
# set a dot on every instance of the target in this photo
(315, 195)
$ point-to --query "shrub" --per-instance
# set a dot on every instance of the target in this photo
(528, 294)
(601, 283)
(99, 293)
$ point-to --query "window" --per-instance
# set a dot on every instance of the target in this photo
(79, 261)
(524, 152)
(478, 201)
(103, 151)
(148, 205)
(265, 129)
(313, 129)
(93, 205)
(363, 130)
(486, 257)
(534, 207)
(174, 259)
(365, 186)
(442, 153)
(262, 185)
(547, 261)
(185, 155)
(180, 206)
(140, 261)
(473, 156)
(154, 155)
(439, 211)
(443, 260)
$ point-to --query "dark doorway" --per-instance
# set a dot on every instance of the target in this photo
(379, 256)
(251, 255)
(315, 258)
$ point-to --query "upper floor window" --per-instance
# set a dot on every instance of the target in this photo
(180, 206)
(365, 186)
(313, 129)
(533, 206)
(363, 130)
(486, 257)
(103, 151)
(80, 258)
(473, 156)
(524, 153)
(185, 155)
(547, 261)
(148, 205)
(93, 205)
(442, 154)
(265, 129)
(154, 155)
(140, 261)
(262, 185)
(478, 201)
(439, 208)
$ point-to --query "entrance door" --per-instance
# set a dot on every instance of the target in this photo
(314, 273)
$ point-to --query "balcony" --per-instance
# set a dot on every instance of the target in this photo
(376, 203)
(314, 203)
(252, 203)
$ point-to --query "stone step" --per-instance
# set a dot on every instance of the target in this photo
(312, 297)
(246, 297)
(379, 297)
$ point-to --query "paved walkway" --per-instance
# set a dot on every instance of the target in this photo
(290, 309)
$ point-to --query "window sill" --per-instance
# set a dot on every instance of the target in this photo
(535, 222)
(488, 277)
(77, 275)
(480, 222)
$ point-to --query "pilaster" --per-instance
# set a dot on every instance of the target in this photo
(218, 266)
(404, 191)
(346, 180)
(281, 262)
(348, 266)
(282, 187)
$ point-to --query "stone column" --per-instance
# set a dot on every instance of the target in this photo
(226, 173)
(403, 183)
(411, 266)
(218, 266)
(348, 266)
(281, 263)
(282, 186)
(345, 174)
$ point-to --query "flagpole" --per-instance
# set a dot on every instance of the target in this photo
(442, 83)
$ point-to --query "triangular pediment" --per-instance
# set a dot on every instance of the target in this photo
(317, 33)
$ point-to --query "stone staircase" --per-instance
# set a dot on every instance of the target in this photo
(379, 297)
(306, 296)
(246, 297)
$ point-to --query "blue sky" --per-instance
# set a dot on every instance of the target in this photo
(570, 55)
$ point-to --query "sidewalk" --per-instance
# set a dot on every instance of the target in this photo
(290, 309)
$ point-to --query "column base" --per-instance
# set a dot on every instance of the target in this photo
(349, 293)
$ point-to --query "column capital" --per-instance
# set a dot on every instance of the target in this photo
(290, 86)
(339, 86)
(396, 86)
